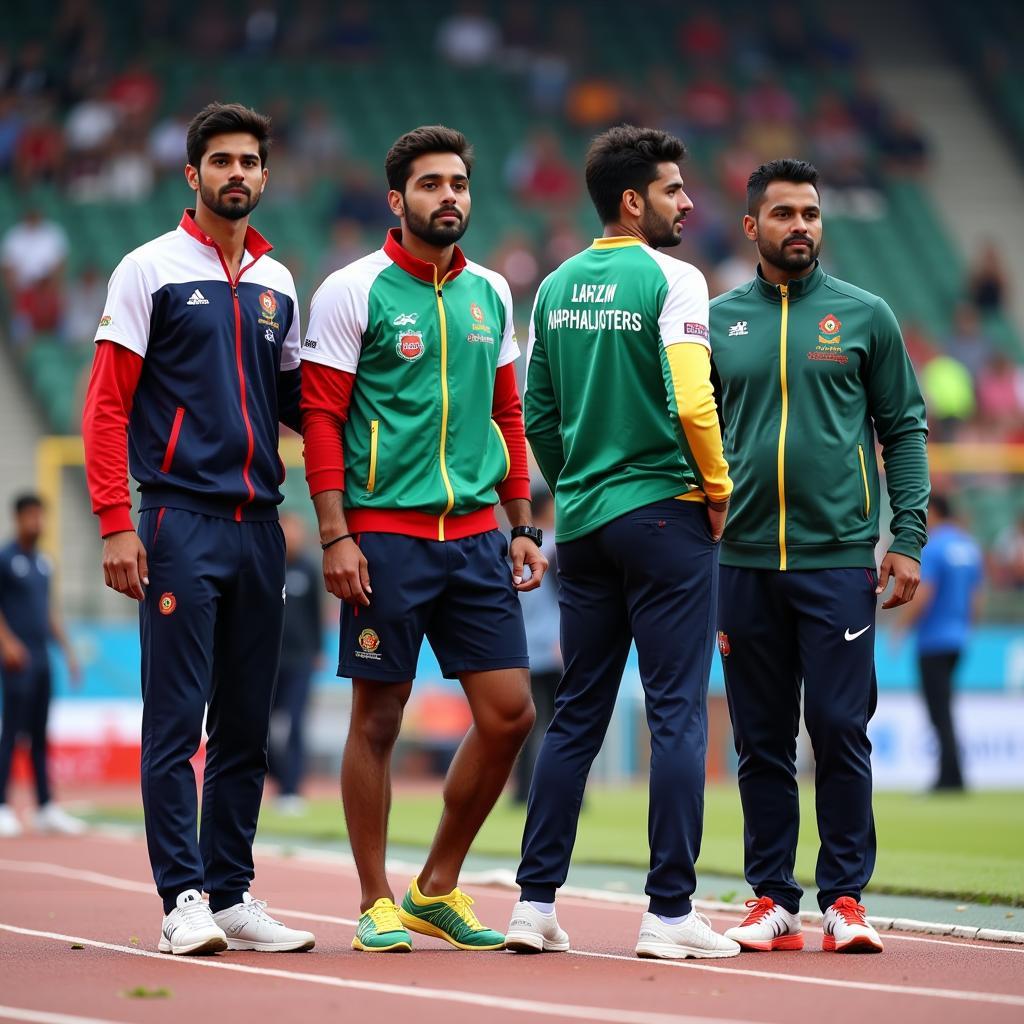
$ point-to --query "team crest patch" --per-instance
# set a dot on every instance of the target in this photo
(723, 643)
(369, 645)
(168, 602)
(268, 309)
(828, 330)
(410, 345)
(829, 349)
(106, 321)
(476, 313)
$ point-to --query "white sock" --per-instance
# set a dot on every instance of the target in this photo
(671, 920)
(544, 908)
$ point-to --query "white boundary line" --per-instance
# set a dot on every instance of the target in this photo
(477, 1000)
(96, 878)
(47, 1017)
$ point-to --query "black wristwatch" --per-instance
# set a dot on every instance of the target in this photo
(534, 533)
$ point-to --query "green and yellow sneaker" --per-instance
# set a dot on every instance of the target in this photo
(380, 930)
(447, 917)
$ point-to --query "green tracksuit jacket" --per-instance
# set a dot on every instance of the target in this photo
(808, 372)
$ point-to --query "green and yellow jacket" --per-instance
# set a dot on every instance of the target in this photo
(808, 373)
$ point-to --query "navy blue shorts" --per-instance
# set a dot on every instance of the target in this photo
(457, 593)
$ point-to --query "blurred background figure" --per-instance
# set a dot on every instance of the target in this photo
(301, 656)
(540, 615)
(27, 624)
(948, 602)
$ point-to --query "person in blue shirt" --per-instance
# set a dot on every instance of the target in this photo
(948, 601)
(27, 624)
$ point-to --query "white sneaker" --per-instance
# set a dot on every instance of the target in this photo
(847, 930)
(692, 937)
(190, 928)
(53, 819)
(768, 927)
(530, 931)
(247, 925)
(10, 827)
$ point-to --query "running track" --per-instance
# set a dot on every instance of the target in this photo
(96, 892)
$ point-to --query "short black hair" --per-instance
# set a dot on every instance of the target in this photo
(220, 119)
(787, 169)
(429, 138)
(940, 504)
(627, 157)
(23, 502)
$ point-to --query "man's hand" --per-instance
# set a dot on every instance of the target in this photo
(906, 575)
(718, 512)
(74, 669)
(523, 551)
(345, 572)
(125, 568)
(14, 655)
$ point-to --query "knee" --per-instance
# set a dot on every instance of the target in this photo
(378, 728)
(509, 725)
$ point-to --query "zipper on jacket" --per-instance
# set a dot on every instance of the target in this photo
(784, 386)
(864, 477)
(443, 323)
(371, 478)
(172, 440)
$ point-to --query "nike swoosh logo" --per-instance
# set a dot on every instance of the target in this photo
(853, 636)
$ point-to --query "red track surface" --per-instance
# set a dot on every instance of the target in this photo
(99, 890)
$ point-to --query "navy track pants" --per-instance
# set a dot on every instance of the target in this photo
(781, 629)
(211, 629)
(649, 576)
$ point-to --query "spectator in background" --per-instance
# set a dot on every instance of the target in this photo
(902, 145)
(948, 601)
(541, 618)
(1001, 392)
(539, 173)
(31, 251)
(301, 656)
(320, 143)
(27, 624)
(967, 342)
(988, 281)
(30, 78)
(354, 37)
(360, 201)
(469, 38)
(709, 103)
(39, 155)
(346, 246)
(167, 141)
(83, 306)
(1008, 556)
(703, 38)
(514, 259)
(949, 394)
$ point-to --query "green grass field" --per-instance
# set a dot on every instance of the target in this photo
(968, 847)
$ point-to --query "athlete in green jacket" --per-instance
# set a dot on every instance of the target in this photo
(811, 369)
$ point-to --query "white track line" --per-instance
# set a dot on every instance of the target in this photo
(477, 1000)
(58, 870)
(588, 901)
(46, 1017)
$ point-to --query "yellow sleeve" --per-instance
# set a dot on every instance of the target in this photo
(689, 366)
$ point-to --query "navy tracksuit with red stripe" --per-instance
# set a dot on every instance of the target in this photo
(199, 367)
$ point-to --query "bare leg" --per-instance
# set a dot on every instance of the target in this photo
(366, 779)
(502, 718)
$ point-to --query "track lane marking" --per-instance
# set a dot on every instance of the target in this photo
(47, 1017)
(477, 1000)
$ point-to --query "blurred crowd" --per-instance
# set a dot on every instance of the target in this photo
(94, 125)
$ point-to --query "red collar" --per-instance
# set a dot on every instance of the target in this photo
(414, 265)
(255, 244)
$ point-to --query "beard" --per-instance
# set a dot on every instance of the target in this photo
(785, 257)
(659, 231)
(429, 230)
(228, 207)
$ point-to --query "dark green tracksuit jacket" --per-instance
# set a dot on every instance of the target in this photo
(807, 373)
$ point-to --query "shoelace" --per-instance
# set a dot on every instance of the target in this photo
(195, 914)
(850, 910)
(461, 903)
(259, 909)
(385, 918)
(758, 909)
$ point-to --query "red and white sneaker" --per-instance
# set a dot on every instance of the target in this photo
(847, 930)
(768, 927)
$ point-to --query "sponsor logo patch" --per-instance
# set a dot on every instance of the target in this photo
(738, 328)
(406, 319)
(723, 643)
(694, 328)
(168, 602)
(106, 321)
(410, 345)
(309, 343)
